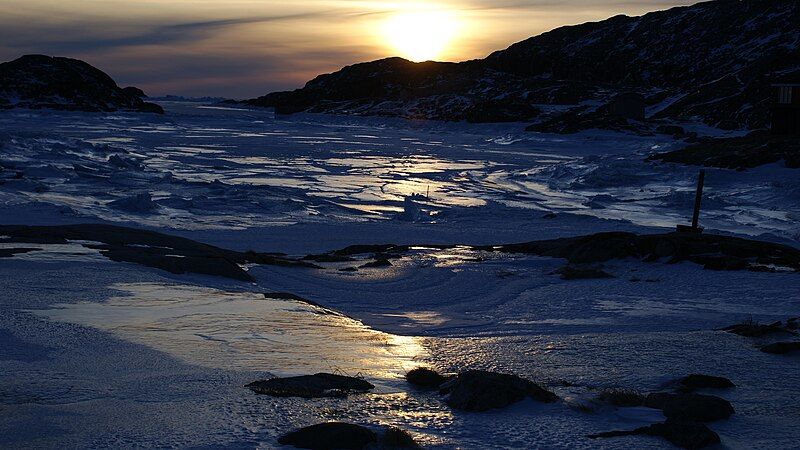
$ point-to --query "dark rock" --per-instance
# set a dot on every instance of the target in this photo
(582, 272)
(328, 258)
(289, 296)
(311, 386)
(478, 390)
(38, 81)
(627, 105)
(395, 438)
(723, 263)
(781, 348)
(177, 264)
(683, 434)
(695, 247)
(698, 381)
(377, 264)
(691, 407)
(722, 77)
(501, 110)
(672, 130)
(171, 253)
(364, 249)
(754, 329)
(753, 150)
(580, 119)
(425, 378)
(621, 397)
(134, 92)
(9, 252)
(331, 435)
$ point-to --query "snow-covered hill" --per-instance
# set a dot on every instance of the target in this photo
(714, 61)
(38, 81)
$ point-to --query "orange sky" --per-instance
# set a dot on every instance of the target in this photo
(245, 48)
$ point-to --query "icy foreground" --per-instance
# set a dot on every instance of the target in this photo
(98, 353)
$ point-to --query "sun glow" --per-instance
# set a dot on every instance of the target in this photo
(420, 35)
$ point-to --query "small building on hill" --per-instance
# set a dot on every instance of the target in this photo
(786, 106)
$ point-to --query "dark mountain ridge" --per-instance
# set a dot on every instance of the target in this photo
(713, 61)
(39, 81)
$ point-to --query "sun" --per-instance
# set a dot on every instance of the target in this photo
(420, 35)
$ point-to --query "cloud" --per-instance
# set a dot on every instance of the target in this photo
(87, 37)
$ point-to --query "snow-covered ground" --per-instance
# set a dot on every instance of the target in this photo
(95, 353)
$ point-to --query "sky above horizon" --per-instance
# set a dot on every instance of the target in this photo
(246, 48)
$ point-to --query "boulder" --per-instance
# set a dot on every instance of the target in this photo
(425, 378)
(395, 438)
(311, 386)
(691, 407)
(378, 263)
(698, 381)
(754, 329)
(330, 435)
(479, 390)
(681, 433)
(582, 272)
(621, 397)
(781, 348)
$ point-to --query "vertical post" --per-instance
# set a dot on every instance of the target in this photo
(697, 198)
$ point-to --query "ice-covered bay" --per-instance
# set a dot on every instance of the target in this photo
(107, 354)
(201, 168)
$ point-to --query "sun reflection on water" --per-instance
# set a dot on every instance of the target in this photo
(244, 331)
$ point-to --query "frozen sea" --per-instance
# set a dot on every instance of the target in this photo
(95, 353)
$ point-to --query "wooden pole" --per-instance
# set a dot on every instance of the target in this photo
(697, 199)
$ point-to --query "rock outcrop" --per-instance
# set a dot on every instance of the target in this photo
(330, 435)
(311, 386)
(479, 390)
(714, 252)
(739, 153)
(700, 381)
(681, 433)
(782, 348)
(340, 435)
(171, 253)
(690, 407)
(425, 378)
(45, 82)
(680, 66)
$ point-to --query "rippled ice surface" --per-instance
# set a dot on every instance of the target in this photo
(103, 354)
(200, 167)
(507, 314)
(244, 331)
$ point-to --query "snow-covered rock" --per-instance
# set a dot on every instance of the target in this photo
(714, 60)
(45, 82)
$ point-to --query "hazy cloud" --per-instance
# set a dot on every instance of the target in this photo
(177, 47)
